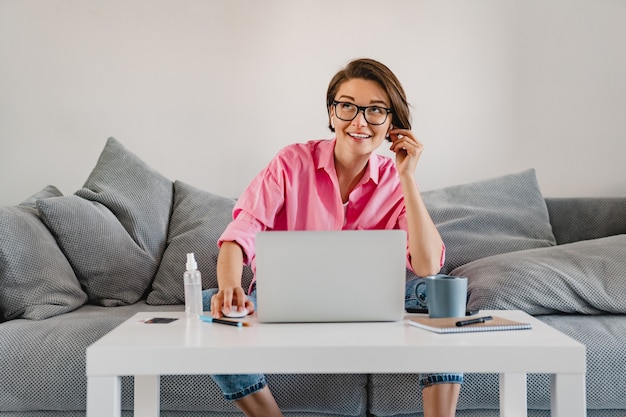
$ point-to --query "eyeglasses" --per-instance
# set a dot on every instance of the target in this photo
(374, 115)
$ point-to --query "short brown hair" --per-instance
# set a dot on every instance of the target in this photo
(369, 69)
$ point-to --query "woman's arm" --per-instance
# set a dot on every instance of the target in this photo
(229, 273)
(262, 199)
(425, 243)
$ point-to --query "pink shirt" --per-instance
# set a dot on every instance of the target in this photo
(299, 190)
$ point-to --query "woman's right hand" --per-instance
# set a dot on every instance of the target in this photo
(229, 272)
(230, 298)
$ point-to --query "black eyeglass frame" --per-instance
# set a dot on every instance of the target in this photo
(360, 109)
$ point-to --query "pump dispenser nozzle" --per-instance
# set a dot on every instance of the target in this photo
(193, 287)
(191, 262)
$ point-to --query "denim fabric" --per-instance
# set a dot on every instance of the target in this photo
(415, 296)
(237, 386)
(415, 293)
(426, 380)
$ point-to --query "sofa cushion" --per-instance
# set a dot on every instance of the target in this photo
(57, 379)
(485, 218)
(584, 277)
(397, 395)
(112, 268)
(44, 361)
(198, 219)
(139, 197)
(36, 280)
(574, 218)
(113, 230)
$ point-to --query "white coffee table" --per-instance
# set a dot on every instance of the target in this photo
(147, 351)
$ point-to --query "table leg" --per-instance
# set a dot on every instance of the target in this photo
(513, 395)
(147, 396)
(104, 396)
(568, 396)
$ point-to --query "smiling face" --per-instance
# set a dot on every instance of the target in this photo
(357, 136)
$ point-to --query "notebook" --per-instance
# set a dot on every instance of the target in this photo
(330, 276)
(448, 325)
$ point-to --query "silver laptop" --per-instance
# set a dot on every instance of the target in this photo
(330, 276)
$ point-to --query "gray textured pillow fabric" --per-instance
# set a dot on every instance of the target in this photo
(138, 196)
(198, 219)
(36, 280)
(115, 245)
(112, 268)
(574, 218)
(586, 277)
(485, 218)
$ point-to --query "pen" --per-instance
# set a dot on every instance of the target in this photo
(473, 321)
(221, 321)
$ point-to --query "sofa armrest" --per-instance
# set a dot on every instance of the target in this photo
(574, 219)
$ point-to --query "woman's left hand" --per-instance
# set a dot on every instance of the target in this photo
(407, 149)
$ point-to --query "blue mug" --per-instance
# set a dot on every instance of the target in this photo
(446, 296)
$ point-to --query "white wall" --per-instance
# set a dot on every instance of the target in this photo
(206, 91)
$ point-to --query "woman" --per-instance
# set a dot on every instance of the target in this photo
(333, 185)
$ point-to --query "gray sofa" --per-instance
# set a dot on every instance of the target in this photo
(74, 267)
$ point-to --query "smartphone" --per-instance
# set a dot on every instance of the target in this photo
(159, 320)
(425, 311)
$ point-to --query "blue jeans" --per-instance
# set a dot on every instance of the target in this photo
(235, 387)
(415, 296)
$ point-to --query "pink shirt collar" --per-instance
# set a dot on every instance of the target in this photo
(325, 159)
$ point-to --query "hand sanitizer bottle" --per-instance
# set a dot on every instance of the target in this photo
(193, 288)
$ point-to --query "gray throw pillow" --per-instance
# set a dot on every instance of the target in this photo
(485, 218)
(36, 280)
(140, 197)
(114, 230)
(112, 268)
(584, 277)
(198, 219)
